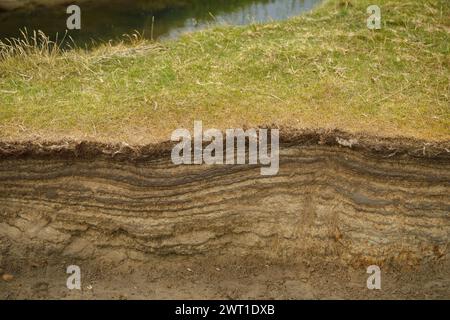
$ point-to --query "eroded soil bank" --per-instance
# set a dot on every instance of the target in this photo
(339, 204)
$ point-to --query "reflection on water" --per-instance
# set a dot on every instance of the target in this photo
(110, 20)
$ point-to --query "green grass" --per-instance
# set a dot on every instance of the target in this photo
(322, 70)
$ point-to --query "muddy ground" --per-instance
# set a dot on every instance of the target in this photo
(201, 278)
(140, 227)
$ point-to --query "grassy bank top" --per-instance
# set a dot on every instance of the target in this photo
(322, 70)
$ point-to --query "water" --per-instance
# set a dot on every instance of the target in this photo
(104, 21)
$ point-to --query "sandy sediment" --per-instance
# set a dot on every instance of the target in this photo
(378, 201)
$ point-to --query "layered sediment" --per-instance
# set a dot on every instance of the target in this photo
(355, 199)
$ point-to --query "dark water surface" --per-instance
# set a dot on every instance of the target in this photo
(103, 21)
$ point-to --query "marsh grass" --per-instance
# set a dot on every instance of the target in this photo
(324, 69)
(31, 45)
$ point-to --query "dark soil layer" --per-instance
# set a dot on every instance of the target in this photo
(369, 144)
(339, 202)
